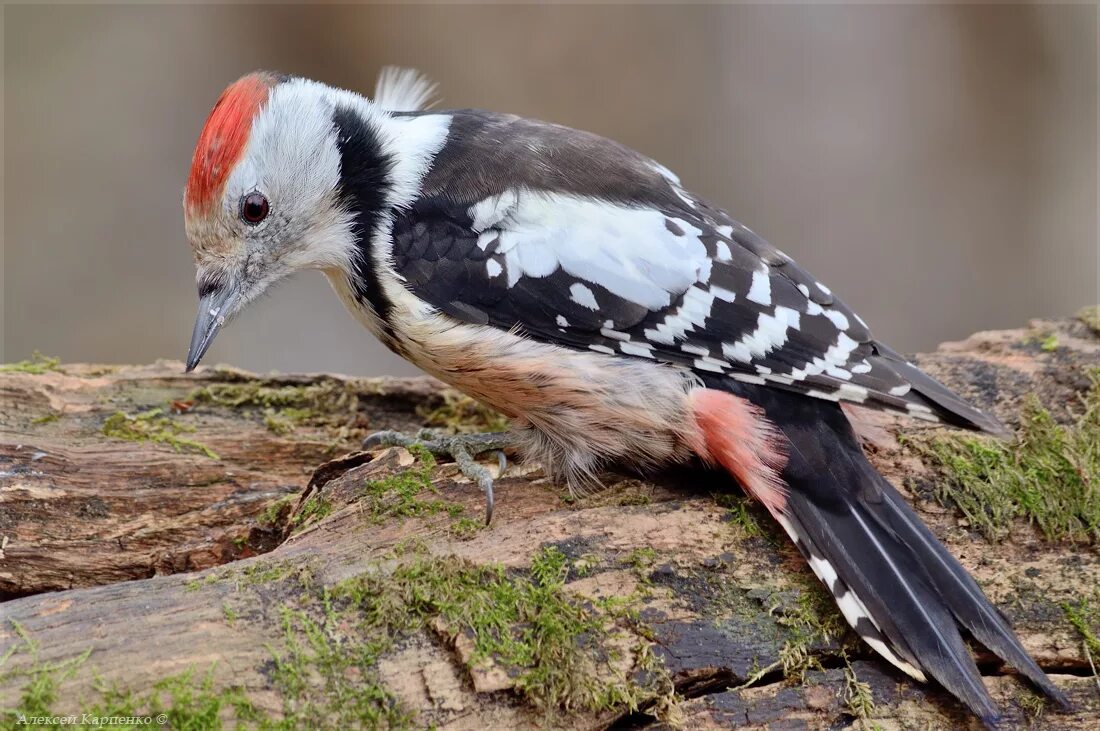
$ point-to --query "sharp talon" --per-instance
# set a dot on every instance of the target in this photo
(488, 489)
(461, 448)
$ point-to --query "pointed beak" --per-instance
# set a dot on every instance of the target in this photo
(214, 308)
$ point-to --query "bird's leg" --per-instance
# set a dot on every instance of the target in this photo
(462, 448)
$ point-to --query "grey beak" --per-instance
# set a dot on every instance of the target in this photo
(214, 307)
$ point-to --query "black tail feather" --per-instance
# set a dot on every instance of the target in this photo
(895, 582)
(880, 570)
(961, 593)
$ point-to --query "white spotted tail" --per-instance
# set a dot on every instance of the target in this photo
(894, 582)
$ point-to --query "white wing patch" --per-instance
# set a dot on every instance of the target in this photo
(838, 318)
(583, 296)
(770, 333)
(492, 210)
(637, 254)
(761, 290)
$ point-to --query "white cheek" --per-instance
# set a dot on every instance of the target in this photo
(328, 243)
(293, 159)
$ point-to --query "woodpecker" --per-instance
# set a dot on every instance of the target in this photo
(576, 286)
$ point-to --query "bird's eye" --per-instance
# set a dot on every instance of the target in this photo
(254, 208)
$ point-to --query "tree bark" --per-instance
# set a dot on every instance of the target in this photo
(126, 563)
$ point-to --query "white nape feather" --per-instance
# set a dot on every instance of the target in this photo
(403, 90)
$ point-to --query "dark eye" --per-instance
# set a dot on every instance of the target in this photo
(254, 208)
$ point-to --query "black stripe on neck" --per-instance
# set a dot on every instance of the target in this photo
(364, 179)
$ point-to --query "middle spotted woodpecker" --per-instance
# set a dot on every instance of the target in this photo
(576, 286)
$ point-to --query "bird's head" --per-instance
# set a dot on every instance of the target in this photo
(268, 194)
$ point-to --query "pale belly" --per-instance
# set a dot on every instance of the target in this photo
(573, 411)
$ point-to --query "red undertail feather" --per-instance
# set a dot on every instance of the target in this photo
(224, 137)
(734, 434)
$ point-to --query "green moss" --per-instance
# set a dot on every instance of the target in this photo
(327, 675)
(551, 644)
(550, 566)
(465, 528)
(277, 510)
(285, 421)
(187, 703)
(400, 494)
(623, 493)
(461, 414)
(814, 612)
(1085, 618)
(42, 679)
(183, 701)
(328, 403)
(1050, 474)
(196, 584)
(1091, 317)
(326, 396)
(641, 559)
(857, 693)
(1046, 339)
(635, 498)
(740, 514)
(152, 426)
(585, 564)
(810, 616)
(316, 509)
(1032, 703)
(564, 653)
(796, 659)
(254, 574)
(265, 573)
(277, 424)
(36, 366)
(820, 606)
(47, 419)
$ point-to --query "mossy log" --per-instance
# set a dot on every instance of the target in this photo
(212, 546)
(115, 473)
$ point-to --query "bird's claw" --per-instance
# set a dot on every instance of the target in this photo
(424, 437)
(463, 449)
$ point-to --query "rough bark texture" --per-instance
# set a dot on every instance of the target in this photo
(126, 563)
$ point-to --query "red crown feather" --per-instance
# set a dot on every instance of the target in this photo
(224, 137)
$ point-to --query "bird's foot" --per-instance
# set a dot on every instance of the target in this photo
(462, 448)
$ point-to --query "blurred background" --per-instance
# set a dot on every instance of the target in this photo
(936, 166)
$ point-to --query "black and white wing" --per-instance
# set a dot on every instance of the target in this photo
(578, 241)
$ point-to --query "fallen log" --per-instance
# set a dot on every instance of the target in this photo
(264, 589)
(117, 473)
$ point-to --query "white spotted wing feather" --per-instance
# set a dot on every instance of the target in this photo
(676, 281)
